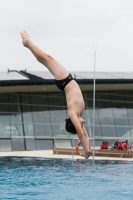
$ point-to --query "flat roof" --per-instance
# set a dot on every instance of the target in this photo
(41, 80)
(87, 75)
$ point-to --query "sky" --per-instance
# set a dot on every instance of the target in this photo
(67, 30)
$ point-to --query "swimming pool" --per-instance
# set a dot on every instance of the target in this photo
(61, 179)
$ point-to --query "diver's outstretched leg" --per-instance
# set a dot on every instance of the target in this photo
(58, 71)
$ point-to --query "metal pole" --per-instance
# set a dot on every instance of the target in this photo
(73, 149)
(93, 133)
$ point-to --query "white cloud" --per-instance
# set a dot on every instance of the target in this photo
(67, 30)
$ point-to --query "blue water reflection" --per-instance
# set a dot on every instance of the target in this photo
(40, 178)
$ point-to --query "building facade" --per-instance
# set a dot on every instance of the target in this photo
(33, 110)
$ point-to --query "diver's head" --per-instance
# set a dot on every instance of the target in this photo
(70, 127)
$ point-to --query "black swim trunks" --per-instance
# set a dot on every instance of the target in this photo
(61, 84)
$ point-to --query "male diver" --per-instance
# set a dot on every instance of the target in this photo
(66, 83)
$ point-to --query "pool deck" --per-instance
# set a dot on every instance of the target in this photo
(49, 154)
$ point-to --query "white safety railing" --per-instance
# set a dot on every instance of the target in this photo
(69, 144)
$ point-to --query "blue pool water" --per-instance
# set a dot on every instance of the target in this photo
(58, 179)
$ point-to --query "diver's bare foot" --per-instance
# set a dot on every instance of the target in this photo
(25, 38)
(88, 154)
